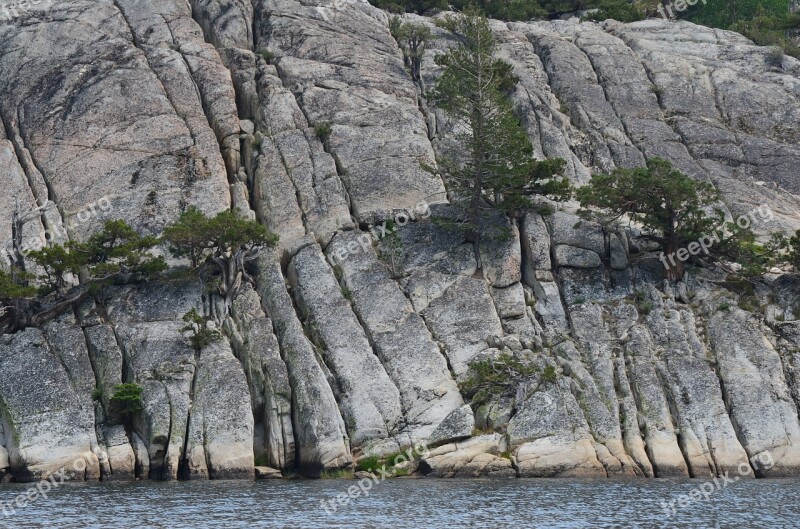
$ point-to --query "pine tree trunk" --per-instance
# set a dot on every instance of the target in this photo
(675, 268)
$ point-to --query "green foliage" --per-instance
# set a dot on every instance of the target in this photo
(261, 461)
(495, 377)
(726, 13)
(369, 464)
(392, 252)
(227, 242)
(202, 239)
(739, 245)
(410, 6)
(116, 251)
(119, 255)
(672, 207)
(57, 263)
(767, 23)
(267, 55)
(521, 9)
(724, 306)
(116, 254)
(496, 165)
(323, 132)
(794, 251)
(413, 40)
(97, 394)
(202, 336)
(549, 375)
(621, 10)
(343, 473)
(642, 303)
(11, 290)
(127, 400)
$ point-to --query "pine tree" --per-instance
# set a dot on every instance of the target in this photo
(495, 167)
(227, 242)
(672, 207)
(413, 41)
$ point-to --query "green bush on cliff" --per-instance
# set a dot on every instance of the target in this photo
(794, 251)
(202, 335)
(127, 401)
(521, 10)
(621, 10)
(492, 377)
(767, 23)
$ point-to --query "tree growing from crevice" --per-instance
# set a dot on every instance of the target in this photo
(677, 212)
(218, 249)
(115, 255)
(202, 334)
(224, 244)
(794, 251)
(413, 41)
(494, 167)
(126, 402)
(489, 378)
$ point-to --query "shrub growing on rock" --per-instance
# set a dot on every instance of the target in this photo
(202, 334)
(127, 401)
(492, 377)
(621, 10)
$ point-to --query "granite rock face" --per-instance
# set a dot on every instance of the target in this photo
(358, 335)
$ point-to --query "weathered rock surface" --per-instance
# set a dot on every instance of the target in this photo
(400, 339)
(256, 347)
(478, 457)
(300, 114)
(762, 409)
(321, 439)
(369, 399)
(378, 136)
(48, 418)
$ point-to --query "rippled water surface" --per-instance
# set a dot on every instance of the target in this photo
(410, 503)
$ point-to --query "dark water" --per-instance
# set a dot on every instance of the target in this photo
(410, 503)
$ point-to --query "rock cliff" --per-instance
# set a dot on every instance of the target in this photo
(301, 114)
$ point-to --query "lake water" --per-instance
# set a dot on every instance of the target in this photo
(410, 503)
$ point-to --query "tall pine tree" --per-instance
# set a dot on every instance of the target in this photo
(494, 167)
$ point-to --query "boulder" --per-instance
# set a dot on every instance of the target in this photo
(462, 319)
(476, 457)
(576, 257)
(455, 427)
(267, 473)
